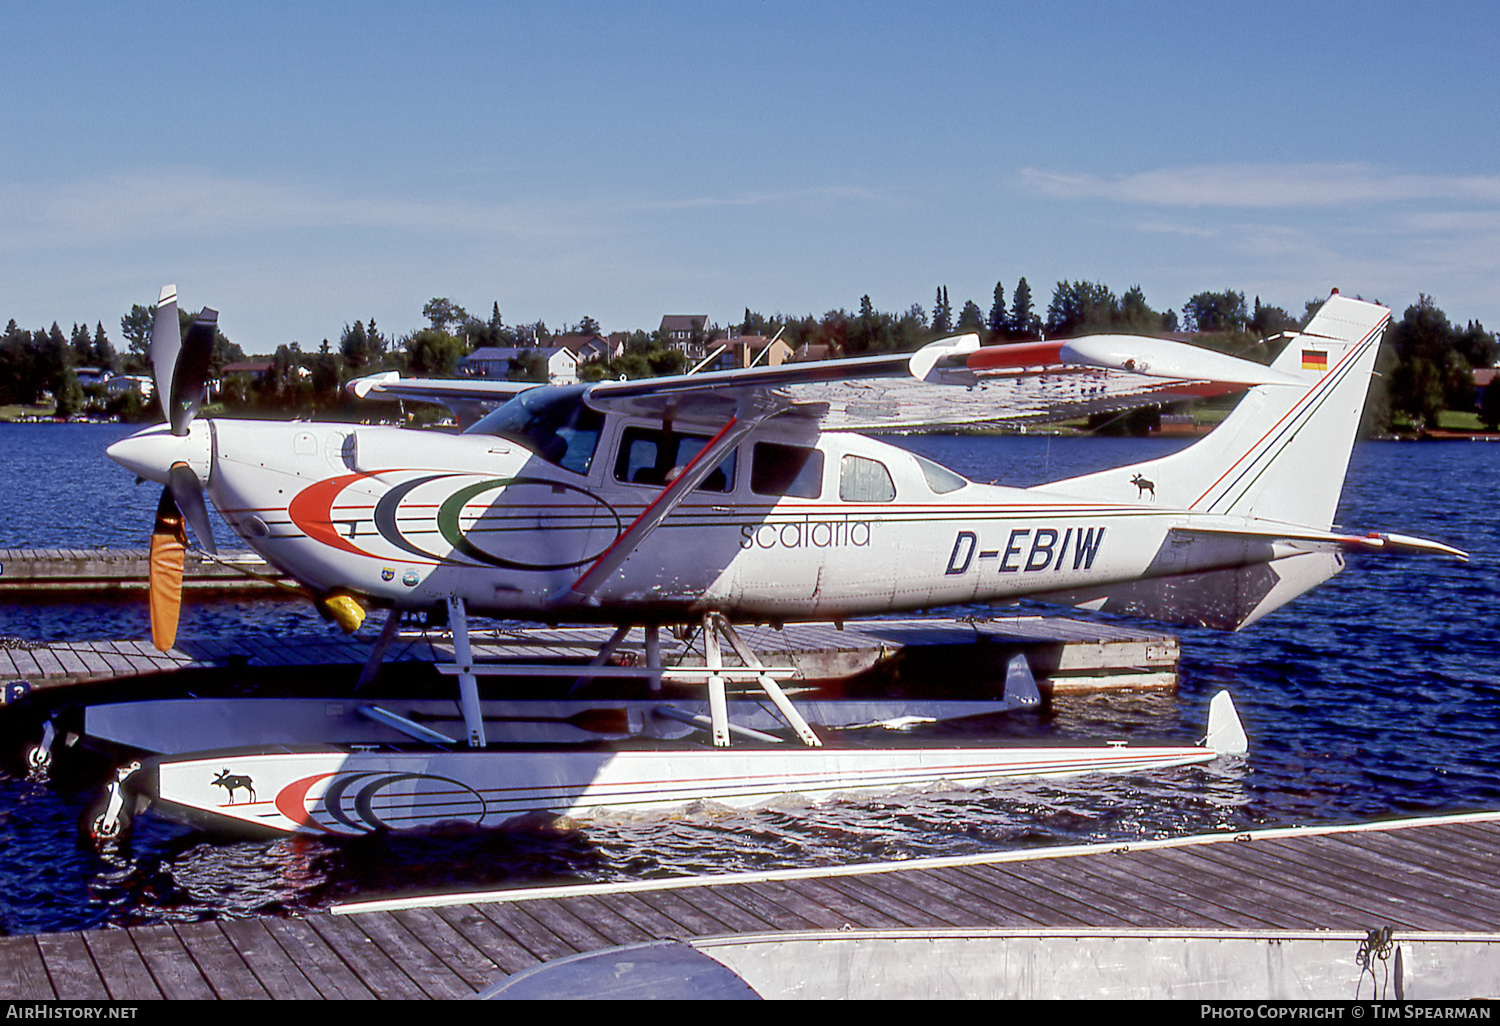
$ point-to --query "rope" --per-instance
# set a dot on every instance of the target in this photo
(247, 572)
(1376, 945)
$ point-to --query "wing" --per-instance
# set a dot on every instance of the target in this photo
(468, 398)
(950, 382)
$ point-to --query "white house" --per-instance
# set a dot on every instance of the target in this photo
(497, 362)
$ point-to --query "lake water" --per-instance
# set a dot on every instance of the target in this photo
(1372, 697)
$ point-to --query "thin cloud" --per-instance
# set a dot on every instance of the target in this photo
(113, 207)
(1262, 186)
(834, 193)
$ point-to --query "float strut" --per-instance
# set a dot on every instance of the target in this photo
(718, 706)
(605, 652)
(653, 657)
(468, 686)
(768, 683)
(382, 645)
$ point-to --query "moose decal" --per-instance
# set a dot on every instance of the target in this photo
(231, 781)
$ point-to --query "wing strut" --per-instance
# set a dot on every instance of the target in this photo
(694, 474)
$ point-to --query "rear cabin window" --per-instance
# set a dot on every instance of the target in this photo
(865, 480)
(650, 456)
(939, 478)
(794, 470)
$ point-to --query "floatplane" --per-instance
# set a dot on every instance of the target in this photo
(710, 500)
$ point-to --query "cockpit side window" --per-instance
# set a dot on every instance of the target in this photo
(554, 423)
(651, 456)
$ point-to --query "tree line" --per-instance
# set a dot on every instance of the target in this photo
(1425, 367)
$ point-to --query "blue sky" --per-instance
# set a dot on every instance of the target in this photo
(299, 166)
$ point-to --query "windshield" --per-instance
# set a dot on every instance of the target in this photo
(554, 423)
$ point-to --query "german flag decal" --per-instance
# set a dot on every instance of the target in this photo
(1314, 359)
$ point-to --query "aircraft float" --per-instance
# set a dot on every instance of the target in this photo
(722, 498)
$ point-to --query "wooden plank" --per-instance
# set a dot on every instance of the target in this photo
(1323, 878)
(854, 912)
(675, 907)
(315, 960)
(25, 663)
(69, 660)
(1439, 851)
(605, 920)
(364, 957)
(72, 972)
(894, 894)
(712, 902)
(541, 942)
(23, 974)
(1158, 894)
(1288, 885)
(796, 904)
(645, 917)
(175, 973)
(775, 915)
(274, 969)
(1000, 903)
(557, 919)
(973, 909)
(469, 962)
(924, 900)
(219, 963)
(1015, 889)
(1275, 904)
(1067, 877)
(486, 935)
(1417, 861)
(1188, 885)
(415, 959)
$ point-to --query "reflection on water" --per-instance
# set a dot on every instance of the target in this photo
(1373, 696)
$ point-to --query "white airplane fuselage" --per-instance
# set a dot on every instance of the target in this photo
(406, 518)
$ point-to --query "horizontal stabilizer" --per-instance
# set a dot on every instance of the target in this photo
(1373, 542)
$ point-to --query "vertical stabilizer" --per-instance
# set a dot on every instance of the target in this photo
(1281, 455)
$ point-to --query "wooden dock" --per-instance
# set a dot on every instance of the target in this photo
(1065, 655)
(40, 573)
(1416, 876)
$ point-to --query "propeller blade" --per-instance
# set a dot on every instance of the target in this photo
(166, 343)
(191, 372)
(187, 493)
(168, 550)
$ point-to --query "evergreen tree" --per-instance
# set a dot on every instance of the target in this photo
(999, 320)
(971, 318)
(82, 345)
(942, 313)
(104, 351)
(377, 342)
(1023, 320)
